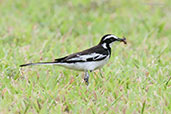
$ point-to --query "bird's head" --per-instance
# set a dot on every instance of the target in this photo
(108, 39)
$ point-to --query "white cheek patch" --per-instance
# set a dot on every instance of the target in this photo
(104, 45)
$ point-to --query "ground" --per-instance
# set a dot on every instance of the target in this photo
(135, 80)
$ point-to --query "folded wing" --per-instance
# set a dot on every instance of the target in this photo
(82, 58)
(93, 54)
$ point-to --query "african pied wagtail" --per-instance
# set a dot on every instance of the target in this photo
(87, 60)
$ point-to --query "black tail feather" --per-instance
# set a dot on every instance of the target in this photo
(39, 63)
(60, 59)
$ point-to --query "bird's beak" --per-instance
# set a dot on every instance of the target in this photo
(122, 40)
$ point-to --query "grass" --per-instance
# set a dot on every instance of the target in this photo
(136, 79)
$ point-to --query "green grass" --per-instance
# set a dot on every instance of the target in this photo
(137, 79)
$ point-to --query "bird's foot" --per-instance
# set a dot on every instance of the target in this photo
(86, 81)
(86, 78)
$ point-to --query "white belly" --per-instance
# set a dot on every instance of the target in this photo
(85, 66)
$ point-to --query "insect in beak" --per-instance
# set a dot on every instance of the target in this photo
(122, 40)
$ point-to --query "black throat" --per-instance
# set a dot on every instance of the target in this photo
(108, 49)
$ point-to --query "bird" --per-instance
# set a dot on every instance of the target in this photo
(87, 60)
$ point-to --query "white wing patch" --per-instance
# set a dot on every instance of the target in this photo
(84, 66)
(94, 56)
(99, 57)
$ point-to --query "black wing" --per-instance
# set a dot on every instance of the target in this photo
(96, 53)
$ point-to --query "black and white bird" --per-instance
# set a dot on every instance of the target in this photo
(87, 60)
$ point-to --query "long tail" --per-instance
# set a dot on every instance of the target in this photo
(39, 63)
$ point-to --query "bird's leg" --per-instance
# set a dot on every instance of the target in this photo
(86, 77)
